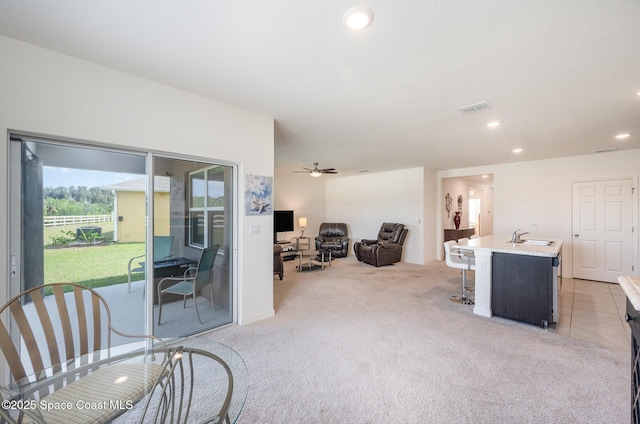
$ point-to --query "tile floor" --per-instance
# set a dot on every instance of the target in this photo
(593, 312)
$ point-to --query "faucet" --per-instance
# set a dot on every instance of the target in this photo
(515, 237)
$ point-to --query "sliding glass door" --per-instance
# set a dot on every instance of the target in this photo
(196, 214)
(84, 214)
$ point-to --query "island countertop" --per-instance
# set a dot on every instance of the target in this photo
(502, 244)
(631, 288)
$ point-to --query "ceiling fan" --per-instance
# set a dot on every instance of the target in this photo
(315, 172)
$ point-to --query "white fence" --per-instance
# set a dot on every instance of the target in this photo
(52, 221)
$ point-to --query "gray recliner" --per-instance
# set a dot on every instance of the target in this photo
(333, 237)
(386, 249)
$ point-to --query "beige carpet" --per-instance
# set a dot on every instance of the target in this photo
(358, 344)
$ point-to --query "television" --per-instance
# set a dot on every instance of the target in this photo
(282, 221)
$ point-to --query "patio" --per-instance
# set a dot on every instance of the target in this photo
(127, 313)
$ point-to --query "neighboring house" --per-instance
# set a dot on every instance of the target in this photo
(129, 209)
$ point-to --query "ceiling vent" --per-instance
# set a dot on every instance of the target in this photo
(475, 108)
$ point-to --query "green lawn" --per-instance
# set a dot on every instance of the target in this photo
(91, 266)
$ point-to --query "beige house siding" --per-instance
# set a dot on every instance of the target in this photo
(130, 214)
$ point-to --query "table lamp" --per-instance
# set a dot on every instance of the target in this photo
(302, 222)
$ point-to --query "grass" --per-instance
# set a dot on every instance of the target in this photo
(91, 266)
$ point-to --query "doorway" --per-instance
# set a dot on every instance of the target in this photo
(602, 228)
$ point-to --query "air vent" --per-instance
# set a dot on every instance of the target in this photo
(475, 108)
(604, 149)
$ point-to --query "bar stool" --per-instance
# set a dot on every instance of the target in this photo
(463, 260)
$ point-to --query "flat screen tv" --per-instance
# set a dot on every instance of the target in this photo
(282, 221)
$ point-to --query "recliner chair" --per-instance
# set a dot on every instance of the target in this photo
(333, 237)
(386, 249)
(278, 265)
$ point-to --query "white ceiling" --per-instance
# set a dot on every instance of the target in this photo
(562, 76)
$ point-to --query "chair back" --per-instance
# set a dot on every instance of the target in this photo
(205, 266)
(162, 248)
(447, 253)
(333, 229)
(391, 232)
(48, 326)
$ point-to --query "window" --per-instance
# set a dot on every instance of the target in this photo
(206, 206)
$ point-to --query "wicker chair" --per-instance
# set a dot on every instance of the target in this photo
(68, 332)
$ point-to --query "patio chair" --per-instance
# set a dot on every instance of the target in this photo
(58, 349)
(190, 285)
(162, 248)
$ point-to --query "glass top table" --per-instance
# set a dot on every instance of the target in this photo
(312, 259)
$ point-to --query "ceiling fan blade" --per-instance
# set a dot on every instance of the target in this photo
(329, 172)
(327, 169)
(300, 172)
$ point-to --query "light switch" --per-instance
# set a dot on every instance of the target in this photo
(255, 229)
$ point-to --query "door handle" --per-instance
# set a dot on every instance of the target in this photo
(576, 235)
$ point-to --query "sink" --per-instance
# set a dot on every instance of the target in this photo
(539, 242)
(533, 242)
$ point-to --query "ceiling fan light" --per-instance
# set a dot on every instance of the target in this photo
(315, 173)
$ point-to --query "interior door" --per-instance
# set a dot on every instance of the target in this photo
(602, 229)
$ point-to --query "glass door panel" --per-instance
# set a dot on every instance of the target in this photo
(199, 210)
(65, 219)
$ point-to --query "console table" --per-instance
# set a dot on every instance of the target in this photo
(453, 234)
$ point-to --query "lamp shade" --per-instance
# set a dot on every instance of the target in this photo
(302, 222)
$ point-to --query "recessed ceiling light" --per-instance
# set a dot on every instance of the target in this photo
(518, 150)
(493, 124)
(622, 135)
(358, 18)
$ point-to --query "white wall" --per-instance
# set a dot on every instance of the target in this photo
(305, 196)
(455, 187)
(364, 202)
(536, 196)
(430, 221)
(52, 94)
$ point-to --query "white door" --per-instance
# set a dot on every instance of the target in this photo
(602, 229)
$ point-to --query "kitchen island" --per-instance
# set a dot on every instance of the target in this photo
(516, 280)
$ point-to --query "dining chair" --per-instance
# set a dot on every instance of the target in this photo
(56, 343)
(190, 285)
(162, 248)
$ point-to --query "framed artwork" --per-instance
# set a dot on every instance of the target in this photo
(258, 195)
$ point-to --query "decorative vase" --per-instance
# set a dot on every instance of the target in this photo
(456, 220)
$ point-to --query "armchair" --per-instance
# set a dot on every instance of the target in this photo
(384, 250)
(58, 349)
(333, 237)
(278, 264)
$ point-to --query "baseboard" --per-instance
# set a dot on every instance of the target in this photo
(257, 318)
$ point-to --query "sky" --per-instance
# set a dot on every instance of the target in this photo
(66, 177)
